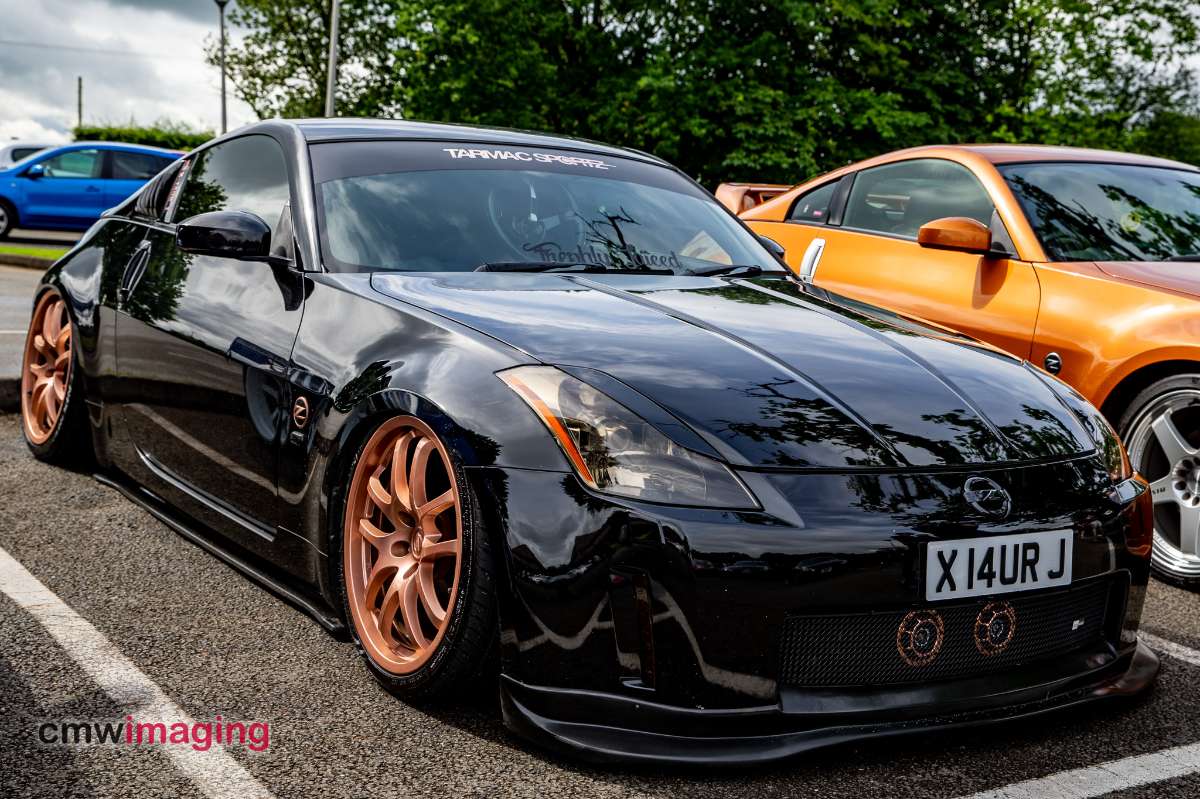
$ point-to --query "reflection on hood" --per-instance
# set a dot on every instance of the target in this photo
(771, 375)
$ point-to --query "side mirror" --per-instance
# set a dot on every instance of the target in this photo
(36, 171)
(773, 246)
(956, 233)
(225, 234)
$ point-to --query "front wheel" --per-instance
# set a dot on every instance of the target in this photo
(8, 219)
(416, 566)
(1161, 429)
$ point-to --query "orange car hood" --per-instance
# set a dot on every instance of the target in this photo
(1181, 276)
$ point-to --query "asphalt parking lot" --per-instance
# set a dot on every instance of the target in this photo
(216, 644)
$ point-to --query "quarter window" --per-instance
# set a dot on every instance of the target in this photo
(243, 174)
(898, 198)
(814, 206)
(74, 164)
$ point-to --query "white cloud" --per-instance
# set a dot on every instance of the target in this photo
(153, 66)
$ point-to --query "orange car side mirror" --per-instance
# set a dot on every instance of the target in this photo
(955, 233)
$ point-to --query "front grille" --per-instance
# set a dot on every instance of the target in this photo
(861, 649)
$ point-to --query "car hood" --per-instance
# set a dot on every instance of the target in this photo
(1181, 276)
(771, 374)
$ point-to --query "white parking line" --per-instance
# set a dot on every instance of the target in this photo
(1116, 775)
(1172, 649)
(213, 771)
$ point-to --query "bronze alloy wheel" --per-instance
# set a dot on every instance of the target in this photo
(46, 368)
(401, 545)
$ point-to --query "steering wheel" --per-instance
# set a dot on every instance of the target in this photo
(522, 219)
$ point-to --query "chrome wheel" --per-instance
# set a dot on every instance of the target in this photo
(1164, 446)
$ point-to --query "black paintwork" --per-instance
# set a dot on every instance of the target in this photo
(854, 428)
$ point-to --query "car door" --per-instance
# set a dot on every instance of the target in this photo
(203, 345)
(69, 191)
(858, 236)
(127, 172)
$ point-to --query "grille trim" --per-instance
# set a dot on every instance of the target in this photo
(854, 650)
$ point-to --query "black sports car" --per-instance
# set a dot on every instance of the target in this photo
(488, 399)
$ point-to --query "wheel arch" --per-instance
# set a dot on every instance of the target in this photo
(1136, 379)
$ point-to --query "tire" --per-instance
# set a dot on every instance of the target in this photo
(1161, 429)
(8, 219)
(442, 657)
(53, 413)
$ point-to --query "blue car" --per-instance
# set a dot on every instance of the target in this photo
(68, 187)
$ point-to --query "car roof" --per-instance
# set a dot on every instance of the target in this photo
(115, 145)
(1034, 153)
(344, 129)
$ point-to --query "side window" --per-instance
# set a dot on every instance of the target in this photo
(813, 206)
(243, 174)
(21, 153)
(898, 198)
(135, 166)
(74, 164)
(155, 199)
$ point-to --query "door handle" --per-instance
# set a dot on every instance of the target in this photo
(134, 270)
(812, 257)
(92, 188)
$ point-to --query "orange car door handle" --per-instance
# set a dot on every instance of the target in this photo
(812, 257)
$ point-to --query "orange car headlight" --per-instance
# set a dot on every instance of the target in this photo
(615, 451)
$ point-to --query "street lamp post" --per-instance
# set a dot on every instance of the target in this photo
(331, 78)
(221, 10)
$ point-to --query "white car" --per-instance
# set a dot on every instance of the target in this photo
(16, 151)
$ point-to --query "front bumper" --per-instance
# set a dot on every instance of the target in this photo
(637, 632)
(611, 728)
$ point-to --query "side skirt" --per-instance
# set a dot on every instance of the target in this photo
(315, 607)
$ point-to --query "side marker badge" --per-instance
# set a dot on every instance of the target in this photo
(300, 413)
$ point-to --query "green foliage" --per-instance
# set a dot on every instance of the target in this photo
(164, 133)
(772, 90)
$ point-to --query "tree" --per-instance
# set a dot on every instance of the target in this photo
(769, 90)
(280, 67)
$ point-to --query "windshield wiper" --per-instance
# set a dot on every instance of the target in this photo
(540, 266)
(1191, 256)
(561, 266)
(733, 270)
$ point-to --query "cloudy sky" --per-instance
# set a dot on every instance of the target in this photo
(140, 59)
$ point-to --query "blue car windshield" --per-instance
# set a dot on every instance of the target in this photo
(449, 207)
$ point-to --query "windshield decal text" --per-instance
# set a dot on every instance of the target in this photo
(523, 155)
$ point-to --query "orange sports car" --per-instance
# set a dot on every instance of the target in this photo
(1085, 262)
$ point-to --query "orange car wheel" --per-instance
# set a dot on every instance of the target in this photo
(1162, 432)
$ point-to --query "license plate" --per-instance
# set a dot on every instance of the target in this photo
(997, 565)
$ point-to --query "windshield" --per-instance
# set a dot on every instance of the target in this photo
(449, 207)
(1109, 212)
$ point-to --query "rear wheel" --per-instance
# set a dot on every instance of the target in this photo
(53, 416)
(1161, 429)
(416, 567)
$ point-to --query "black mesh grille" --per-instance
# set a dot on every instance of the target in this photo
(860, 649)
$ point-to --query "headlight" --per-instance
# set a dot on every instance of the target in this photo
(1108, 444)
(615, 451)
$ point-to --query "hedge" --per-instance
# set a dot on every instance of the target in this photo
(168, 135)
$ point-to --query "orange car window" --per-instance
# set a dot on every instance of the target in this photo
(898, 198)
(814, 206)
